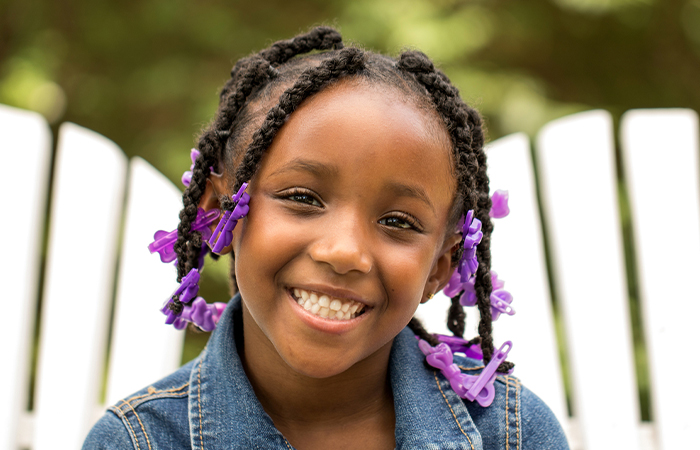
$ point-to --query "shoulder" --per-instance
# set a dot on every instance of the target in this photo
(517, 418)
(155, 414)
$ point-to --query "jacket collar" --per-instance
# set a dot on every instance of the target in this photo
(224, 412)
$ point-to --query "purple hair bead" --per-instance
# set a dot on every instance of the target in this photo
(164, 241)
(223, 234)
(499, 204)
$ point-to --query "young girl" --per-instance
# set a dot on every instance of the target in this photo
(358, 185)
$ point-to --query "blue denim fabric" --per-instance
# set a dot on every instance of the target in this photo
(209, 404)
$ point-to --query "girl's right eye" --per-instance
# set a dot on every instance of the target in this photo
(301, 196)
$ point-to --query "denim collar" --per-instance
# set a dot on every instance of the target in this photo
(224, 412)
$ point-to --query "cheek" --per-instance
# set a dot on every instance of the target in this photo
(405, 270)
(264, 246)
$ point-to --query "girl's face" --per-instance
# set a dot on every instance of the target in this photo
(351, 201)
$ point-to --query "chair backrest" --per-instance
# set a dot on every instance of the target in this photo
(87, 210)
(579, 185)
(104, 210)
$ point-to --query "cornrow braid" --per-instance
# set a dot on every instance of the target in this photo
(465, 128)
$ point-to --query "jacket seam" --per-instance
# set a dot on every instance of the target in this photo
(156, 392)
(159, 396)
(518, 386)
(199, 403)
(507, 423)
(437, 381)
(132, 434)
(143, 429)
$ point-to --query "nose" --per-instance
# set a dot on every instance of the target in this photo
(344, 245)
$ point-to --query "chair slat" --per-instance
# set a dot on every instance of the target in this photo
(25, 145)
(86, 209)
(577, 165)
(660, 149)
(143, 348)
(518, 258)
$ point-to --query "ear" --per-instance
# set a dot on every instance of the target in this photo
(442, 268)
(216, 186)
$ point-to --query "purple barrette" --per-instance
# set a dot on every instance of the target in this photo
(202, 314)
(223, 235)
(499, 204)
(500, 298)
(471, 232)
(460, 345)
(472, 387)
(189, 286)
(187, 176)
(165, 241)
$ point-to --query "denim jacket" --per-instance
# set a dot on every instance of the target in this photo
(209, 404)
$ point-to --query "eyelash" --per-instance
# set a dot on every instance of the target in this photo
(300, 192)
(408, 219)
(295, 194)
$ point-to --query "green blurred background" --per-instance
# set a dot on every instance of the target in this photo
(146, 73)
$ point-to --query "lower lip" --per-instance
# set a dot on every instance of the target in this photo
(325, 325)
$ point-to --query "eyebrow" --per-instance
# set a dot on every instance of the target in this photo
(304, 165)
(407, 190)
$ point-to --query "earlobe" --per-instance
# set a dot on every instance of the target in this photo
(442, 269)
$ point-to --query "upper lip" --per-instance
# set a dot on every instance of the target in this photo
(332, 291)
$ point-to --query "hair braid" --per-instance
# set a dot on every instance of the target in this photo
(189, 244)
(456, 316)
(464, 125)
(321, 38)
(417, 327)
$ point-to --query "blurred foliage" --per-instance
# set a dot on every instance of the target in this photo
(146, 73)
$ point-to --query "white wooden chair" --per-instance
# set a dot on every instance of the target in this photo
(578, 187)
(87, 209)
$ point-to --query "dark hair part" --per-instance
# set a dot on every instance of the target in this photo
(258, 79)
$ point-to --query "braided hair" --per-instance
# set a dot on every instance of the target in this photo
(287, 74)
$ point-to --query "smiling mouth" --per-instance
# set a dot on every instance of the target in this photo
(327, 307)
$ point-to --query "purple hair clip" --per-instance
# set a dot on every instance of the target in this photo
(165, 241)
(189, 286)
(500, 298)
(202, 314)
(472, 387)
(187, 176)
(499, 204)
(471, 231)
(223, 235)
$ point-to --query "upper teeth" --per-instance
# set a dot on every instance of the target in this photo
(328, 307)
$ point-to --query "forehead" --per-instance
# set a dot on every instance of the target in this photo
(367, 133)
